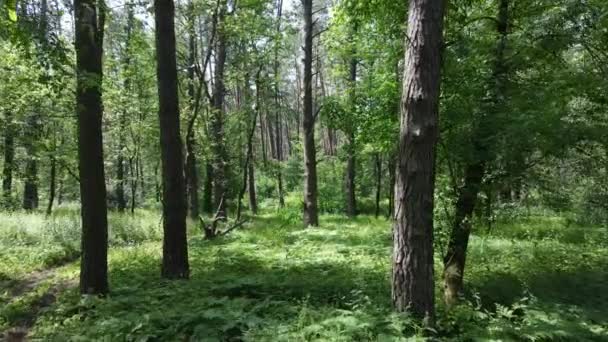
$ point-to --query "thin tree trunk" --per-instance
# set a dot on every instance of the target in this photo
(378, 164)
(9, 161)
(30, 187)
(263, 138)
(455, 258)
(413, 288)
(311, 215)
(191, 161)
(175, 247)
(350, 174)
(208, 189)
(133, 168)
(89, 51)
(52, 183)
(218, 145)
(277, 108)
(392, 165)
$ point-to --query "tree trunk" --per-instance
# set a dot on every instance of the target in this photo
(218, 145)
(175, 246)
(412, 282)
(133, 169)
(9, 160)
(191, 161)
(378, 163)
(311, 215)
(52, 183)
(392, 165)
(208, 189)
(351, 200)
(455, 258)
(89, 51)
(122, 125)
(277, 108)
(253, 202)
(30, 187)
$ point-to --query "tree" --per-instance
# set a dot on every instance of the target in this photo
(218, 146)
(311, 215)
(483, 150)
(89, 51)
(412, 280)
(194, 98)
(175, 244)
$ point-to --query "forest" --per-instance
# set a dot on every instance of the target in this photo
(304, 170)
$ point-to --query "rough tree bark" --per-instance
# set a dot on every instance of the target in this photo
(89, 50)
(455, 258)
(311, 215)
(175, 247)
(412, 280)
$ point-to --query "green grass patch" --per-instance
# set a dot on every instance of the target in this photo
(273, 280)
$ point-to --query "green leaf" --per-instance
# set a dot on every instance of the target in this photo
(11, 8)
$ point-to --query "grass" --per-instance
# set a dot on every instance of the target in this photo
(275, 281)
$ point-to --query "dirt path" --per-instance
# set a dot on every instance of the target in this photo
(21, 328)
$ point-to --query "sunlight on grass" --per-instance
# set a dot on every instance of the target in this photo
(274, 280)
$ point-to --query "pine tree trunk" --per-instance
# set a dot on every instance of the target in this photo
(311, 215)
(175, 247)
(89, 51)
(413, 287)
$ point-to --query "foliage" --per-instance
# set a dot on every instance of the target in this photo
(275, 281)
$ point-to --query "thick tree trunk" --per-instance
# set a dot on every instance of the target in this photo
(175, 246)
(454, 260)
(311, 215)
(89, 51)
(9, 161)
(413, 288)
(218, 145)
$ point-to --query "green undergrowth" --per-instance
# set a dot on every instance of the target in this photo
(273, 280)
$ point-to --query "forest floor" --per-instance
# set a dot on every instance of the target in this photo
(534, 278)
